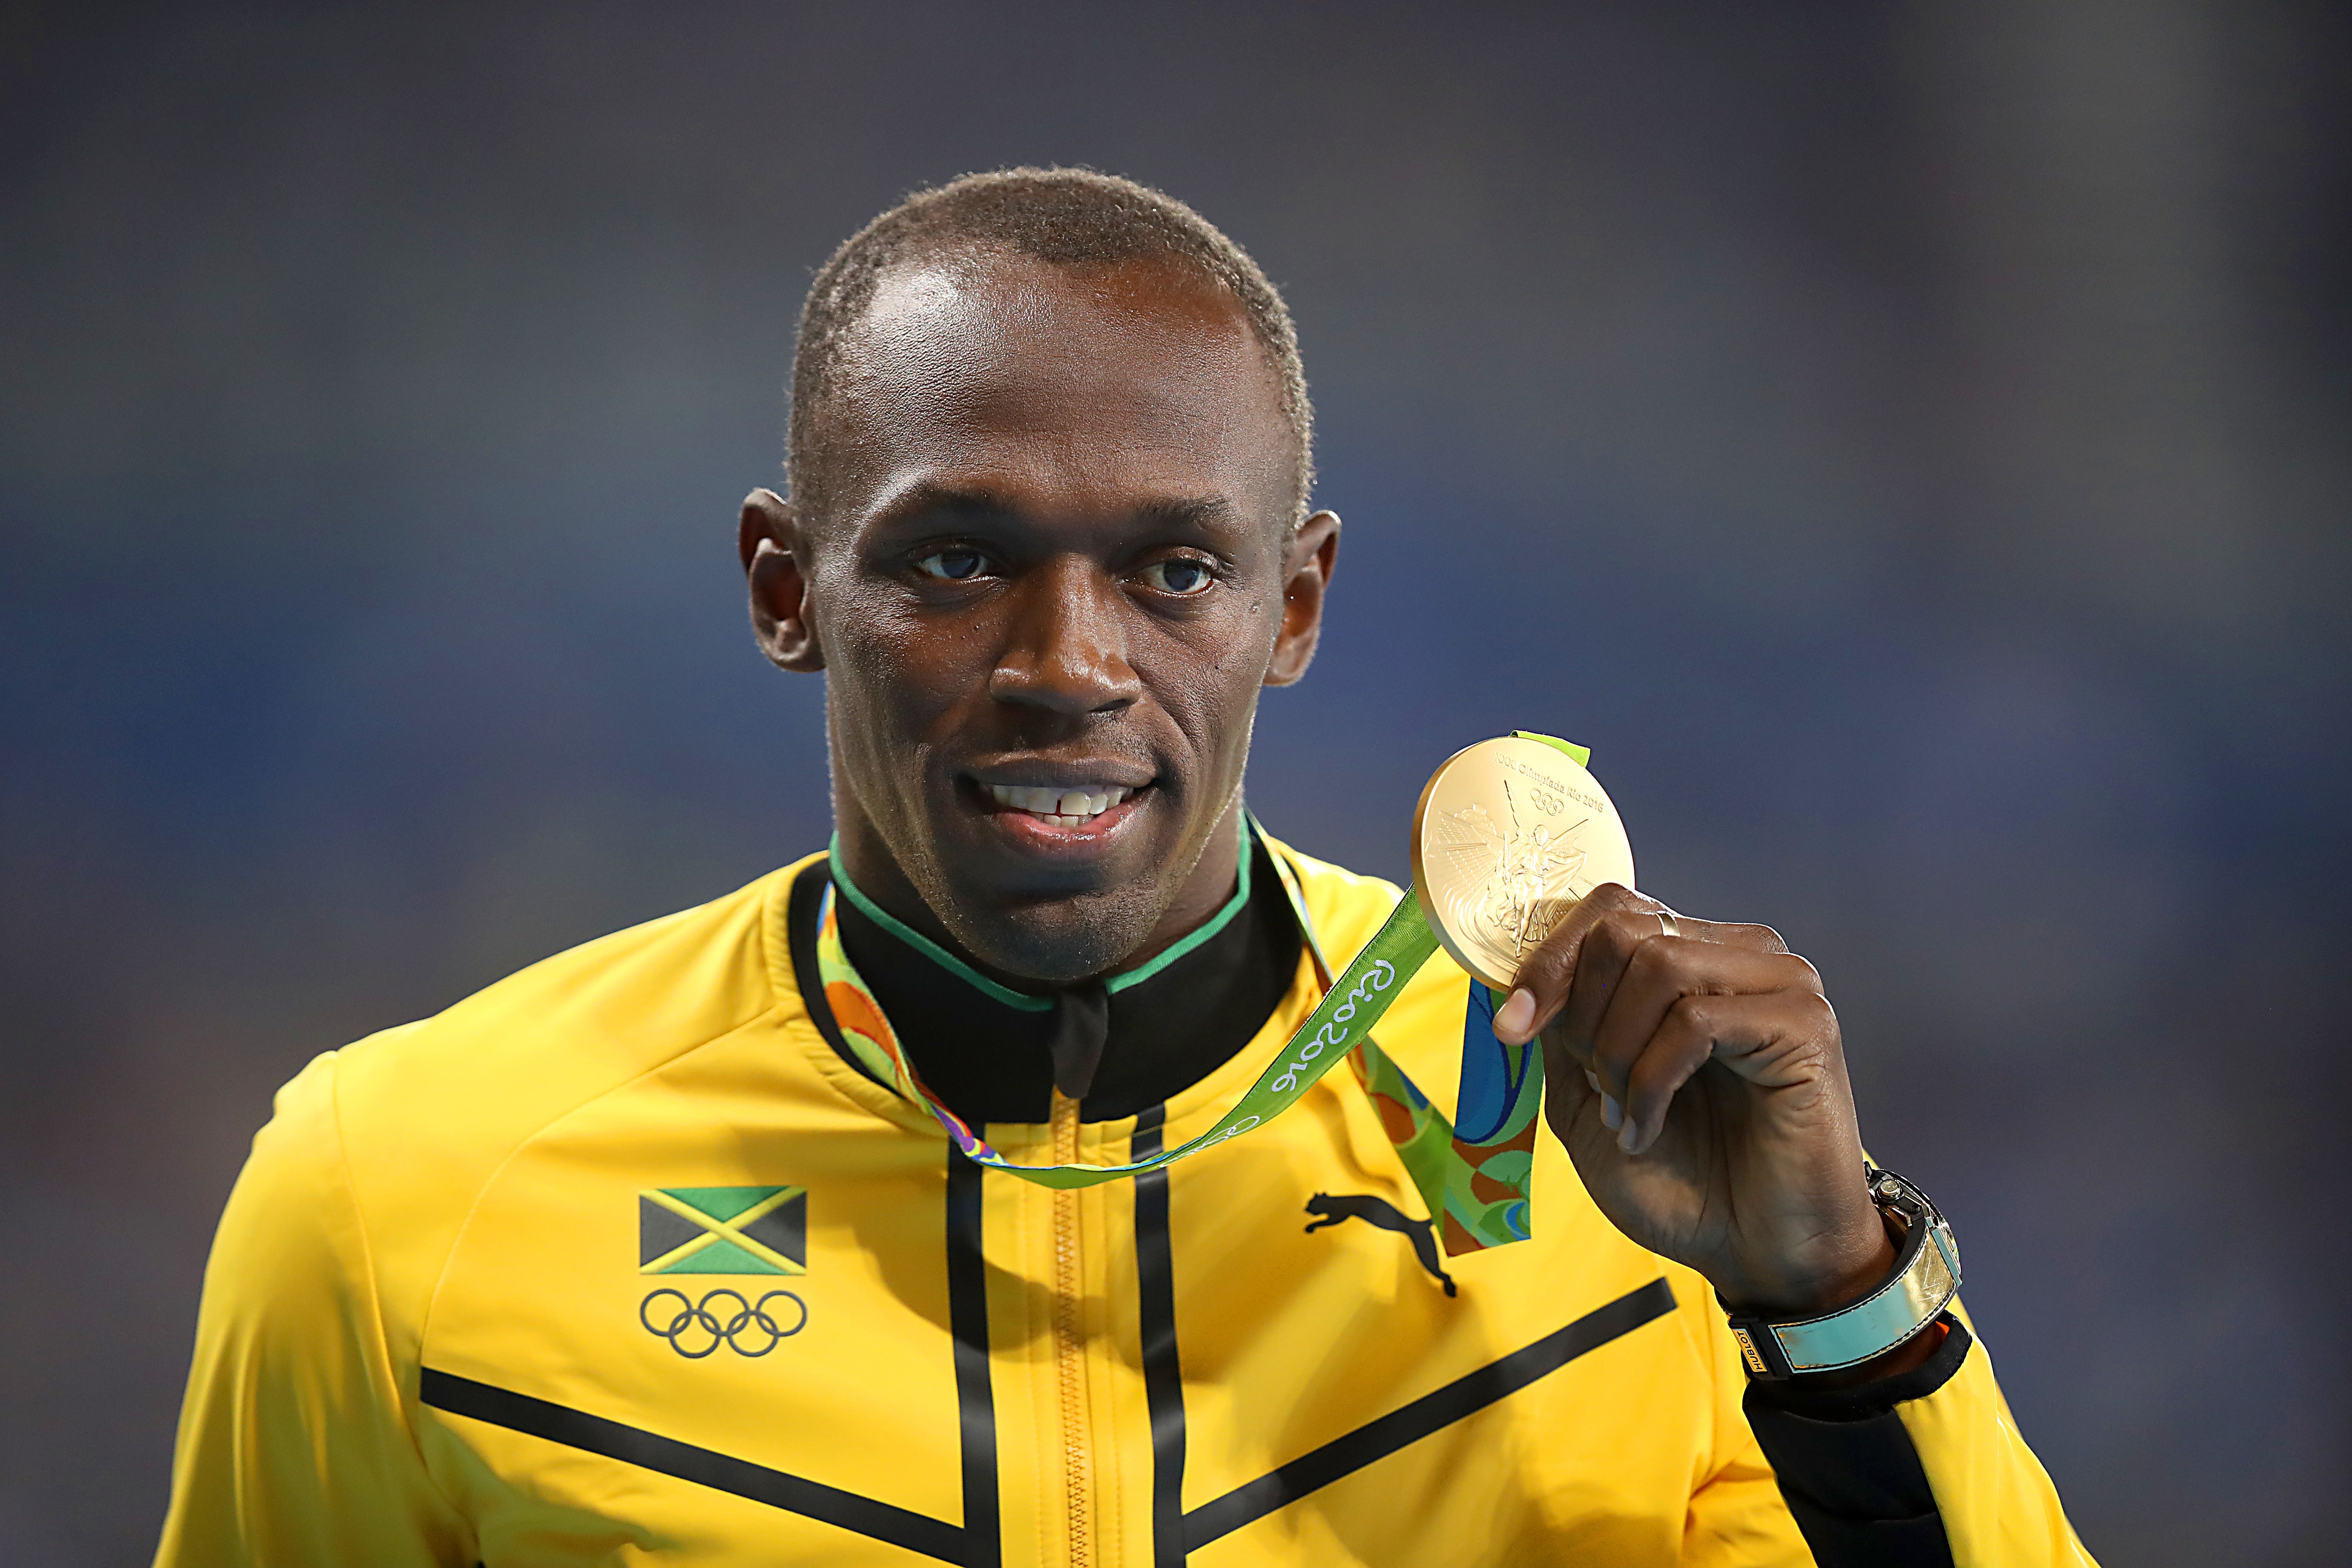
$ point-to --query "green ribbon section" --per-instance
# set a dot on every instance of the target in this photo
(1583, 754)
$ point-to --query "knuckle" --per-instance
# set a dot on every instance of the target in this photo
(1610, 1048)
(1747, 937)
(1648, 961)
(1696, 1022)
(1693, 1015)
(1619, 936)
(1818, 1021)
(1655, 1077)
(1824, 1015)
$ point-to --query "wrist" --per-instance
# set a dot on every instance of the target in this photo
(1887, 1329)
(1863, 1265)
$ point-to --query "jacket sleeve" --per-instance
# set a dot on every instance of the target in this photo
(294, 1448)
(1737, 1518)
(1925, 1468)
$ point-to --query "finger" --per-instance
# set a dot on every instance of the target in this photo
(1678, 1050)
(1731, 933)
(1568, 1089)
(1603, 962)
(1546, 975)
(1661, 973)
(1579, 1114)
(1615, 920)
(1773, 1039)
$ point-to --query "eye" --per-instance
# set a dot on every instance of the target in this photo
(952, 565)
(1180, 574)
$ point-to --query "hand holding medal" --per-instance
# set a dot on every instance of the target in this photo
(1749, 1173)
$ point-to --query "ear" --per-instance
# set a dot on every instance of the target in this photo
(1306, 573)
(774, 551)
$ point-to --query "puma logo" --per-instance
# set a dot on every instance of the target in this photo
(1422, 1233)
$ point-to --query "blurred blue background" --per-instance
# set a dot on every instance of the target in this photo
(1908, 443)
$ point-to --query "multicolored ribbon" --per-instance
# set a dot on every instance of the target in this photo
(1473, 1174)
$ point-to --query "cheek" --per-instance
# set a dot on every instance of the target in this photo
(1214, 670)
(897, 669)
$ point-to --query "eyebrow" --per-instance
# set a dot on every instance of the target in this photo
(1195, 511)
(931, 497)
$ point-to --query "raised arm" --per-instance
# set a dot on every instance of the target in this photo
(1695, 1072)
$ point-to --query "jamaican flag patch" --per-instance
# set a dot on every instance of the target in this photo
(722, 1230)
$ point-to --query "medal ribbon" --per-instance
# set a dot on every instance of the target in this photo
(1473, 1172)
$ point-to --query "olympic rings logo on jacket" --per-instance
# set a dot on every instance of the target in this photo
(694, 1331)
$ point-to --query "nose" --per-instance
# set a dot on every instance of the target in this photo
(1066, 648)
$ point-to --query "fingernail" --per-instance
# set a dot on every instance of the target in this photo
(1625, 1138)
(1613, 1115)
(1593, 1079)
(1518, 1014)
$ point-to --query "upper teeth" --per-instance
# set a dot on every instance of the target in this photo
(1076, 805)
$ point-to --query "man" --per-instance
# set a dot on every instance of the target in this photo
(657, 1250)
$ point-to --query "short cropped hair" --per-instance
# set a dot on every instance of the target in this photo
(1067, 218)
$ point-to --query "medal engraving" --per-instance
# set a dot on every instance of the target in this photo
(1509, 836)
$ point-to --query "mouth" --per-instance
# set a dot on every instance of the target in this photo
(1075, 814)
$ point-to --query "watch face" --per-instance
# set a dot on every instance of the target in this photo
(1511, 835)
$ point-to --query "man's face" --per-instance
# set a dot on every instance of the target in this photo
(1056, 567)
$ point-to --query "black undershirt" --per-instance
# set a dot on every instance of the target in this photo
(989, 1062)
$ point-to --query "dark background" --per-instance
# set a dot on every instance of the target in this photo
(1908, 443)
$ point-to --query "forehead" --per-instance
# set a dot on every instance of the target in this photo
(1059, 388)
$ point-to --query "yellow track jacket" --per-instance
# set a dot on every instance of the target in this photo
(621, 1262)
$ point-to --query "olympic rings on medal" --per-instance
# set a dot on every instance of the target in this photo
(694, 1331)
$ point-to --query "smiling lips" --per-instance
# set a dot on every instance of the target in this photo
(1072, 806)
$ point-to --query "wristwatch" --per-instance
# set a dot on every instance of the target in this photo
(1927, 1277)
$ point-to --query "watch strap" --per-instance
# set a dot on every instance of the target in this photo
(1927, 1277)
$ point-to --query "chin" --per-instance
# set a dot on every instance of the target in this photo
(1057, 941)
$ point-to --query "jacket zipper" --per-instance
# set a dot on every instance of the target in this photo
(1069, 1342)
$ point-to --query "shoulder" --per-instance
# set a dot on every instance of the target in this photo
(414, 1122)
(288, 1218)
(469, 1083)
(584, 1019)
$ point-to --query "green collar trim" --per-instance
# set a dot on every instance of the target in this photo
(1200, 933)
(925, 945)
(1025, 1001)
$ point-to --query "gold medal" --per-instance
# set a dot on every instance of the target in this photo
(1511, 835)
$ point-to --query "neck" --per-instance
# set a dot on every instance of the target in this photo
(995, 1054)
